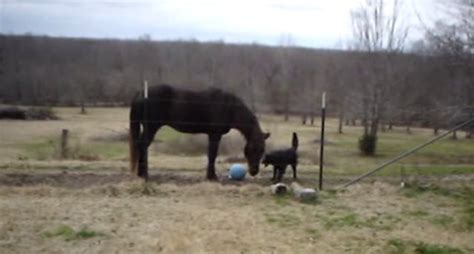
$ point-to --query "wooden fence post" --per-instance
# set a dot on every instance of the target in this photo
(64, 143)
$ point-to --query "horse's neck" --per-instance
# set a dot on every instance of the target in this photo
(246, 122)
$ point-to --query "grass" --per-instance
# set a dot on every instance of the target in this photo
(418, 213)
(464, 196)
(342, 156)
(43, 149)
(350, 220)
(468, 212)
(384, 222)
(283, 200)
(442, 220)
(397, 246)
(209, 217)
(424, 248)
(69, 234)
(283, 220)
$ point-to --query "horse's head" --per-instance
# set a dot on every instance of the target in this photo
(254, 150)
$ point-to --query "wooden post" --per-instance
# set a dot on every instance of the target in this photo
(145, 89)
(321, 150)
(64, 143)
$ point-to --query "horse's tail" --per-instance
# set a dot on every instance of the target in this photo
(294, 142)
(133, 136)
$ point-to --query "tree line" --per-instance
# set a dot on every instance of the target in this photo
(419, 88)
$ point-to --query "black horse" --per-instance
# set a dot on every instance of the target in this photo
(212, 112)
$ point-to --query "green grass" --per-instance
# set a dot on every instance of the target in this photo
(47, 149)
(468, 212)
(349, 220)
(397, 246)
(418, 213)
(442, 220)
(283, 220)
(283, 200)
(424, 248)
(342, 155)
(42, 149)
(464, 195)
(167, 134)
(383, 222)
(443, 157)
(108, 151)
(69, 234)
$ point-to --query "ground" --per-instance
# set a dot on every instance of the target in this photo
(90, 203)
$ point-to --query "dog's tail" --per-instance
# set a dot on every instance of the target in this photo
(294, 142)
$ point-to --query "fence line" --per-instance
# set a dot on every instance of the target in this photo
(409, 152)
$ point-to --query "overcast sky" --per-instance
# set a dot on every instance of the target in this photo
(311, 23)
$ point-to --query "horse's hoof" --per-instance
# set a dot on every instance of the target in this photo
(212, 178)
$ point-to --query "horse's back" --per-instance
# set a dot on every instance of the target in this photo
(206, 111)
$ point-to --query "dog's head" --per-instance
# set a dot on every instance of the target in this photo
(266, 160)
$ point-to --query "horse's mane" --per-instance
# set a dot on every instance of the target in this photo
(244, 119)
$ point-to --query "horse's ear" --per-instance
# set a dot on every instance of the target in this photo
(266, 135)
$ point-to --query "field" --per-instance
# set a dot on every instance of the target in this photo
(89, 203)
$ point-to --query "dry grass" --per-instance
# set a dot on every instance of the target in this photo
(213, 218)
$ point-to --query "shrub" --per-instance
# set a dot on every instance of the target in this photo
(33, 113)
(367, 144)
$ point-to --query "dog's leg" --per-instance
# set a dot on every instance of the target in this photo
(274, 173)
(294, 170)
(281, 172)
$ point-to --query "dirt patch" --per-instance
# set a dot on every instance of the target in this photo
(76, 179)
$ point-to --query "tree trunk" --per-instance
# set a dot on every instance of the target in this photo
(83, 108)
(252, 93)
(341, 120)
(436, 131)
(374, 125)
(455, 136)
(365, 123)
(287, 106)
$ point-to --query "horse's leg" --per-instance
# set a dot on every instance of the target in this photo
(146, 137)
(211, 155)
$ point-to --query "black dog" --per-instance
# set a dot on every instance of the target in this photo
(280, 159)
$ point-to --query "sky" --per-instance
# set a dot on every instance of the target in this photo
(310, 23)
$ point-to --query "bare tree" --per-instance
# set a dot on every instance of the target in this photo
(377, 30)
(286, 54)
(454, 43)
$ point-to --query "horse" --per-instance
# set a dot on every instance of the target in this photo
(213, 112)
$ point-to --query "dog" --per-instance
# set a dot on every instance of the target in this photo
(280, 159)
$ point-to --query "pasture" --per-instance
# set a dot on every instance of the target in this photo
(90, 203)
